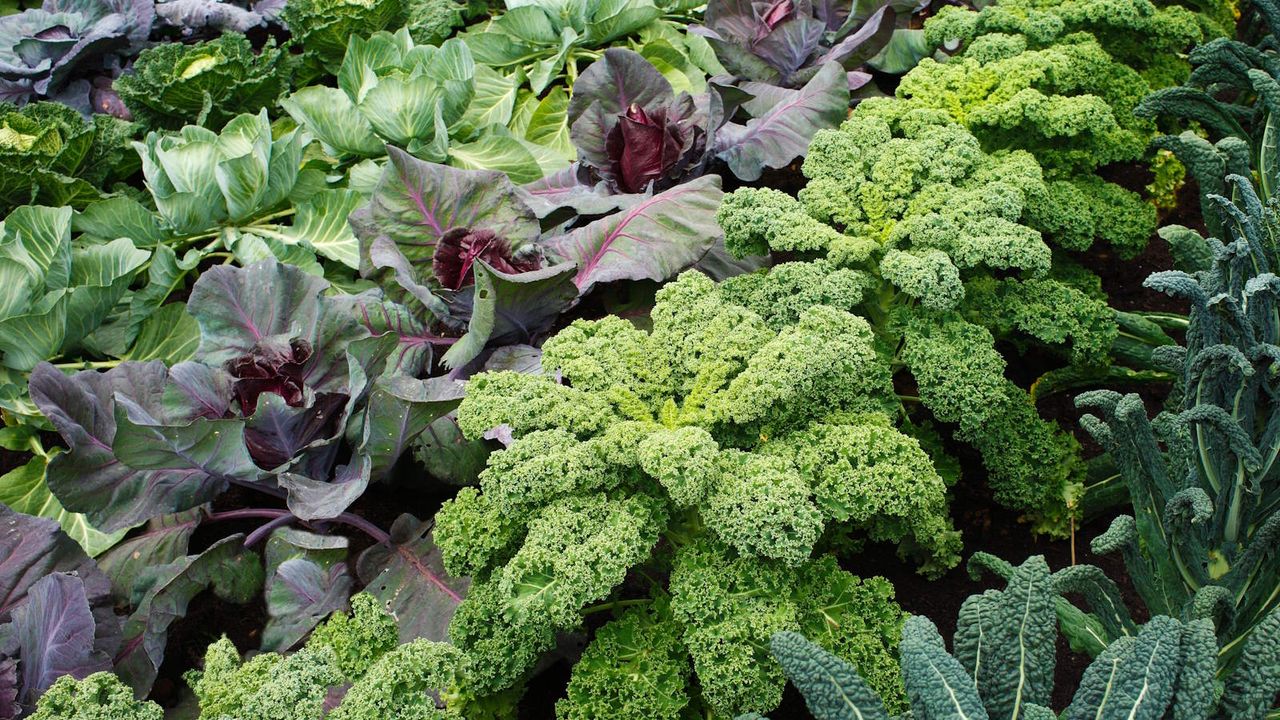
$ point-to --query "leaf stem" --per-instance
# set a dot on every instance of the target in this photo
(89, 365)
(614, 605)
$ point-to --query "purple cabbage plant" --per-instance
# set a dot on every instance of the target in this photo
(298, 396)
(787, 42)
(470, 257)
(635, 136)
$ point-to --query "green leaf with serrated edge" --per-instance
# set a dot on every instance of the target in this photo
(24, 490)
(170, 334)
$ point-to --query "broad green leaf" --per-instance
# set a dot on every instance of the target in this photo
(494, 100)
(165, 275)
(402, 109)
(24, 489)
(548, 124)
(905, 50)
(321, 224)
(120, 217)
(497, 152)
(170, 334)
(334, 120)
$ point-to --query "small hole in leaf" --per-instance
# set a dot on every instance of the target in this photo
(484, 294)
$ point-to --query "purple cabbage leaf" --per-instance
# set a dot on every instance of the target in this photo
(281, 371)
(787, 42)
(468, 254)
(48, 52)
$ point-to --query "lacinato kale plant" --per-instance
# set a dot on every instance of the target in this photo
(1203, 474)
(1233, 95)
(1004, 654)
(692, 472)
(906, 221)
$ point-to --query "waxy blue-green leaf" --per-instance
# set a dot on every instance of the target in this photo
(170, 467)
(306, 581)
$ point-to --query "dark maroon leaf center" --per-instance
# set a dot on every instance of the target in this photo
(270, 368)
(642, 147)
(459, 248)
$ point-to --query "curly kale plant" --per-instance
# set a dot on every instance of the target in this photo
(1149, 38)
(361, 650)
(1203, 474)
(1003, 657)
(52, 155)
(907, 221)
(1064, 99)
(206, 83)
(713, 451)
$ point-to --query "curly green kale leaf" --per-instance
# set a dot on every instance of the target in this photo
(1148, 37)
(100, 696)
(206, 83)
(1069, 103)
(713, 429)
